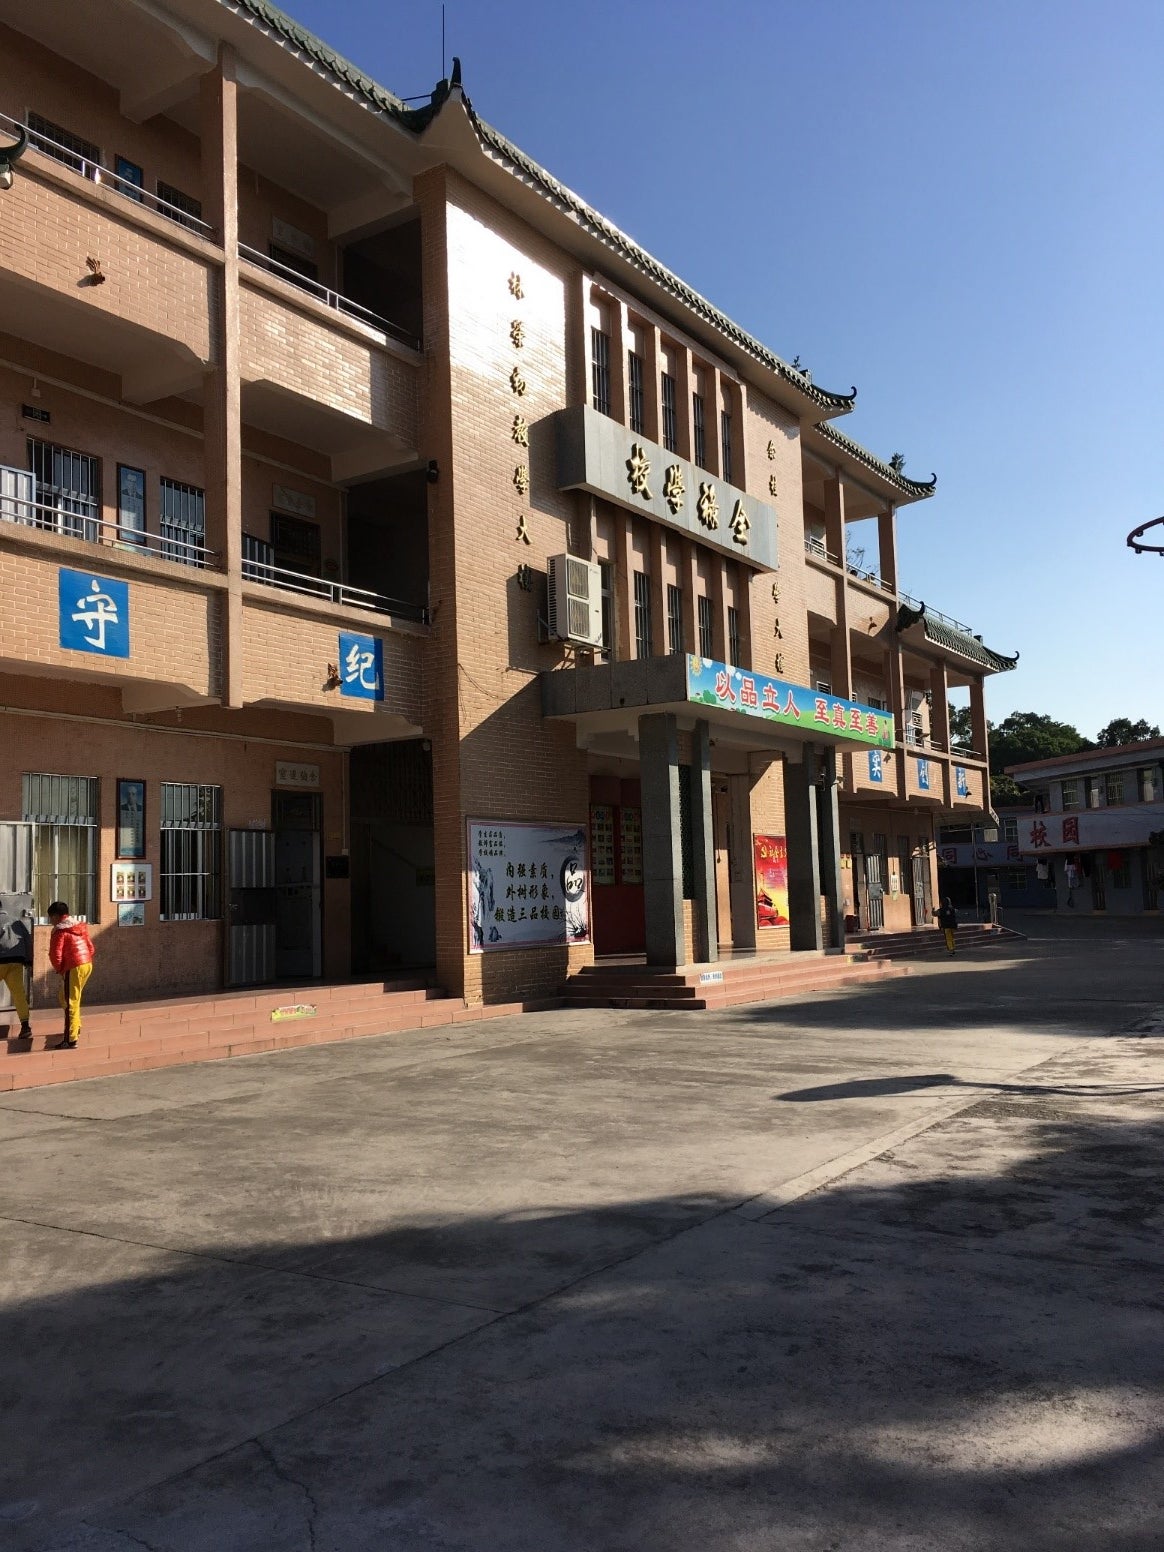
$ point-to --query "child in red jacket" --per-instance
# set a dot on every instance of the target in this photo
(71, 952)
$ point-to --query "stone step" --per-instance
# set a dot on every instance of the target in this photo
(754, 983)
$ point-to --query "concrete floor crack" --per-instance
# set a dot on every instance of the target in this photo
(285, 1476)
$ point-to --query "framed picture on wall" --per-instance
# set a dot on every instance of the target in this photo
(131, 819)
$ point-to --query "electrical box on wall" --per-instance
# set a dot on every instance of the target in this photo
(575, 601)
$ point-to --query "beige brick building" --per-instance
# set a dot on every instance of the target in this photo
(403, 568)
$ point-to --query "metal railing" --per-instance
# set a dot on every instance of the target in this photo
(105, 177)
(78, 517)
(333, 299)
(816, 548)
(934, 614)
(267, 574)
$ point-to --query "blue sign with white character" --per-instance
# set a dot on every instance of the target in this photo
(923, 775)
(93, 613)
(961, 782)
(361, 666)
(875, 764)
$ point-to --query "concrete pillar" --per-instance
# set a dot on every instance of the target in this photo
(979, 734)
(703, 845)
(618, 347)
(684, 408)
(887, 547)
(662, 844)
(741, 862)
(840, 649)
(652, 365)
(800, 815)
(829, 831)
(940, 727)
(624, 587)
(660, 646)
(222, 397)
(687, 580)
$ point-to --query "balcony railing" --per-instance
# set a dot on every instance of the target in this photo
(78, 516)
(333, 299)
(257, 567)
(935, 614)
(97, 173)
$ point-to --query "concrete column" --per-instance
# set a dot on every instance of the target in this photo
(659, 644)
(887, 547)
(577, 340)
(800, 817)
(829, 828)
(741, 866)
(222, 398)
(684, 409)
(744, 604)
(711, 435)
(719, 639)
(652, 419)
(840, 649)
(979, 735)
(940, 727)
(703, 845)
(624, 589)
(662, 847)
(687, 583)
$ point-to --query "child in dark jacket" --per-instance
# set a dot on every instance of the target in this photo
(947, 921)
(71, 953)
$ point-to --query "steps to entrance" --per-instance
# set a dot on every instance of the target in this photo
(930, 943)
(726, 985)
(138, 1037)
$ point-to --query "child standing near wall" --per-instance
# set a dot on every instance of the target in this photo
(71, 953)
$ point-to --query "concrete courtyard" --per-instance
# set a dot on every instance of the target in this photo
(880, 1269)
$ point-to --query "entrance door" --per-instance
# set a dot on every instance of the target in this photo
(16, 858)
(875, 890)
(251, 885)
(616, 865)
(298, 886)
(720, 810)
(921, 890)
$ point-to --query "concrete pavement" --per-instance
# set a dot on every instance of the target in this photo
(879, 1269)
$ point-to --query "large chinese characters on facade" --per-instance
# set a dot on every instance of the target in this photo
(528, 885)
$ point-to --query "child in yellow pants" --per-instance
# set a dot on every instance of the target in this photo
(71, 952)
(12, 975)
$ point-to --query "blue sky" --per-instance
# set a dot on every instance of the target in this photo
(954, 206)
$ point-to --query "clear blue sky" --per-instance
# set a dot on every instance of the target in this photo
(957, 207)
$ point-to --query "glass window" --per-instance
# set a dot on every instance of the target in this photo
(1072, 793)
(283, 258)
(296, 545)
(634, 364)
(131, 519)
(670, 426)
(600, 369)
(700, 426)
(182, 523)
(132, 179)
(725, 432)
(182, 208)
(1114, 788)
(1149, 784)
(674, 618)
(1010, 831)
(733, 630)
(68, 488)
(191, 871)
(706, 634)
(64, 811)
(63, 146)
(642, 614)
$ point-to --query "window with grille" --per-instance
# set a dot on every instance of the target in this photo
(182, 523)
(706, 636)
(642, 614)
(674, 618)
(600, 370)
(64, 812)
(725, 434)
(68, 485)
(285, 259)
(182, 208)
(191, 871)
(63, 146)
(1072, 793)
(670, 424)
(634, 375)
(700, 429)
(733, 630)
(1114, 788)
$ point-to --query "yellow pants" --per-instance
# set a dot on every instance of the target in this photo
(13, 977)
(949, 931)
(69, 997)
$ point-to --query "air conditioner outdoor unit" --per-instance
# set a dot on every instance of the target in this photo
(575, 601)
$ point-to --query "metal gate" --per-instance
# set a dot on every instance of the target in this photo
(251, 886)
(875, 890)
(921, 890)
(16, 857)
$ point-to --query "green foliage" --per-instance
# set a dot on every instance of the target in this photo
(1122, 730)
(1028, 735)
(961, 726)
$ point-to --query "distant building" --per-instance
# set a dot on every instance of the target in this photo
(976, 859)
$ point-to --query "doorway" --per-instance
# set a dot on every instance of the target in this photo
(721, 823)
(298, 822)
(922, 902)
(616, 865)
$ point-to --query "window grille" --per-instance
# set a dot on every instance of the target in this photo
(725, 432)
(1114, 788)
(64, 811)
(635, 385)
(183, 208)
(600, 369)
(670, 427)
(63, 146)
(69, 485)
(706, 635)
(191, 871)
(674, 618)
(700, 428)
(182, 523)
(733, 630)
(1072, 794)
(606, 572)
(308, 268)
(642, 614)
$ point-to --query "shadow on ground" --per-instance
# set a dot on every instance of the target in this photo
(924, 1356)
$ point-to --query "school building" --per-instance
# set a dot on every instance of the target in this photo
(403, 568)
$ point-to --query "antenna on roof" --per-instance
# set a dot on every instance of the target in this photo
(443, 74)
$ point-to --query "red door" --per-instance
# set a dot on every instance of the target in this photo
(616, 865)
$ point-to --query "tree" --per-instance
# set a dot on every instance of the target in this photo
(1121, 730)
(961, 726)
(1022, 737)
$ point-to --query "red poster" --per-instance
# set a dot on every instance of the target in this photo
(771, 855)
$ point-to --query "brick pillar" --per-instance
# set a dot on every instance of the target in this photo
(222, 398)
(662, 848)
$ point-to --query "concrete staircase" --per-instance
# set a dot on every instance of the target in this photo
(139, 1036)
(723, 985)
(929, 942)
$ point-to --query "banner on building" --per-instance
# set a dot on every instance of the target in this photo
(794, 705)
(528, 885)
(771, 858)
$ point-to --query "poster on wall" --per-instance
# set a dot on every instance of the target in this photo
(131, 881)
(771, 858)
(527, 885)
(602, 843)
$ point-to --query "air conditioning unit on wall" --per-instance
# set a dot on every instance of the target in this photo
(575, 601)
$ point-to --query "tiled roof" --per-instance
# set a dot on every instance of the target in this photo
(951, 639)
(917, 489)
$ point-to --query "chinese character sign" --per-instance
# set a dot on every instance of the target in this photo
(923, 775)
(361, 666)
(876, 765)
(774, 700)
(771, 859)
(528, 885)
(93, 614)
(961, 781)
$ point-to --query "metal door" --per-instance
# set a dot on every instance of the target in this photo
(251, 882)
(16, 857)
(921, 890)
(875, 890)
(298, 924)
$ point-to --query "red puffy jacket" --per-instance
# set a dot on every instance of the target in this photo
(70, 945)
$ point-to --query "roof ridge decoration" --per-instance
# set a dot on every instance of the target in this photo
(953, 640)
(289, 32)
(918, 489)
